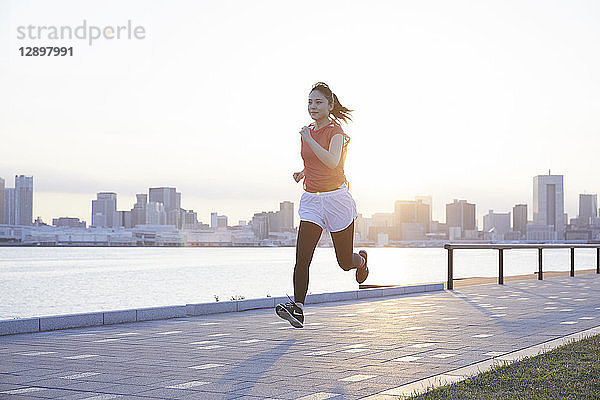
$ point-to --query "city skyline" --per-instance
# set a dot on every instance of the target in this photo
(450, 100)
(167, 195)
(158, 219)
(127, 201)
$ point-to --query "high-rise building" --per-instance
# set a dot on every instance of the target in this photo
(174, 218)
(382, 219)
(588, 207)
(166, 195)
(429, 201)
(548, 202)
(460, 214)
(138, 212)
(123, 219)
(177, 200)
(520, 218)
(104, 210)
(189, 220)
(286, 212)
(274, 221)
(498, 222)
(9, 206)
(260, 225)
(218, 221)
(23, 200)
(383, 223)
(155, 213)
(222, 221)
(408, 211)
(2, 182)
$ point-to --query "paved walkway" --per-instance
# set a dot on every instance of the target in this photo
(348, 350)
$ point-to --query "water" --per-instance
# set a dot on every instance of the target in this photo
(53, 281)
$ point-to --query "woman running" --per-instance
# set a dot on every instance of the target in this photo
(326, 202)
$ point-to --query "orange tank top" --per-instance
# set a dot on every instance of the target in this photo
(317, 176)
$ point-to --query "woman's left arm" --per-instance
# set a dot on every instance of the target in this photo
(331, 157)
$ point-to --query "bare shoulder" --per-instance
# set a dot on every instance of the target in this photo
(338, 132)
(337, 137)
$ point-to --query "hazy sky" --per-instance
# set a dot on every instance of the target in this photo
(454, 99)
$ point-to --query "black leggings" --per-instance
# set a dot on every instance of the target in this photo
(308, 237)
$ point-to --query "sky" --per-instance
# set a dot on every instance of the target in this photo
(453, 99)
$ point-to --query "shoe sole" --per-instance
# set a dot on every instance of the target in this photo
(364, 254)
(285, 314)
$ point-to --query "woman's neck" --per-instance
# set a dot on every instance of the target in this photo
(322, 122)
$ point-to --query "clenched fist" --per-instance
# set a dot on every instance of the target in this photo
(298, 176)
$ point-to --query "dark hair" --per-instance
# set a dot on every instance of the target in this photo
(339, 112)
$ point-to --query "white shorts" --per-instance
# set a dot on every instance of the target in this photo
(333, 211)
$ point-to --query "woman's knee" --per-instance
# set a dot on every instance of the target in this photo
(345, 263)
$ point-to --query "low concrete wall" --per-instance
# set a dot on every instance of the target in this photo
(212, 308)
(120, 316)
(149, 314)
(70, 321)
(12, 326)
(28, 325)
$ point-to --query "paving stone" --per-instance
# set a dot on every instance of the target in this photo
(396, 340)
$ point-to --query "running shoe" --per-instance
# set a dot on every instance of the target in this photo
(291, 312)
(362, 272)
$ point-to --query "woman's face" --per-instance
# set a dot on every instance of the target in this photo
(318, 106)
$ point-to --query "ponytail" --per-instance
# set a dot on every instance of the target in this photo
(339, 112)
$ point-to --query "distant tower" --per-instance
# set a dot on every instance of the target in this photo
(499, 222)
(155, 213)
(166, 195)
(548, 202)
(461, 214)
(23, 200)
(9, 206)
(429, 201)
(260, 225)
(104, 210)
(2, 201)
(286, 211)
(520, 218)
(588, 207)
(410, 212)
(139, 209)
(222, 221)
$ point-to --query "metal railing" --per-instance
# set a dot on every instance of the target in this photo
(501, 247)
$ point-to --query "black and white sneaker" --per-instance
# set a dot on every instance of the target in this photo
(291, 312)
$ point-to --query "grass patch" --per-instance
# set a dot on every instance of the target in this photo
(571, 371)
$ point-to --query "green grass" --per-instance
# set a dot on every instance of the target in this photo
(571, 371)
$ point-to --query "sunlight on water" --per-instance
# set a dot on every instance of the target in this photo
(52, 281)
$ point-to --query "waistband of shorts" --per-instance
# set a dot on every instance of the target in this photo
(342, 188)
